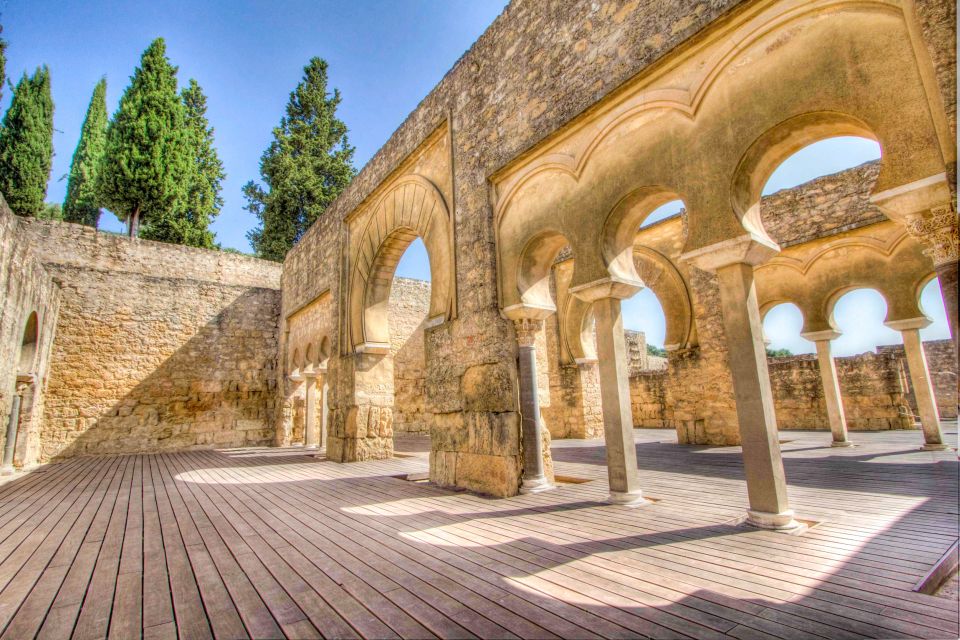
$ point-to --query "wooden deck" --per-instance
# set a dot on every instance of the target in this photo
(268, 543)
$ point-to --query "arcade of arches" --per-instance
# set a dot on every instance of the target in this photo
(528, 190)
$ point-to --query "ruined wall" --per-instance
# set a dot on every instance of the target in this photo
(409, 304)
(874, 386)
(158, 346)
(25, 288)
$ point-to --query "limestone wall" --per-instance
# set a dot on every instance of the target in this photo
(25, 288)
(875, 389)
(157, 346)
(409, 303)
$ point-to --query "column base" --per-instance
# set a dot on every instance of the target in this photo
(7, 471)
(842, 443)
(935, 447)
(535, 485)
(782, 521)
(626, 499)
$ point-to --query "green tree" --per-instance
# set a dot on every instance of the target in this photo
(3, 63)
(654, 350)
(304, 169)
(147, 155)
(51, 211)
(778, 353)
(188, 221)
(81, 204)
(26, 144)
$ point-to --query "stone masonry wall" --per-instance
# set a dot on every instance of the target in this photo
(26, 287)
(158, 346)
(409, 305)
(874, 386)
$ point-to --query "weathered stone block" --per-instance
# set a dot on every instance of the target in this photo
(490, 387)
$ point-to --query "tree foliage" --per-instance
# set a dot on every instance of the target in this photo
(51, 211)
(778, 353)
(147, 155)
(306, 166)
(26, 144)
(189, 220)
(654, 350)
(82, 204)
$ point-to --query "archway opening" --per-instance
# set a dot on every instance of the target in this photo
(859, 316)
(408, 311)
(931, 303)
(28, 346)
(822, 158)
(782, 326)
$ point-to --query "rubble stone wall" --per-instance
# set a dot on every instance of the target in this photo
(26, 287)
(409, 304)
(157, 346)
(874, 386)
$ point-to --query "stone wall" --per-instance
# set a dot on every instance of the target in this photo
(409, 304)
(875, 389)
(25, 288)
(157, 346)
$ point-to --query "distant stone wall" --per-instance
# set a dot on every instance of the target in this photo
(875, 388)
(824, 206)
(158, 346)
(25, 288)
(409, 304)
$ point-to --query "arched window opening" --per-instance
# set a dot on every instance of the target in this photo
(822, 158)
(645, 326)
(859, 315)
(409, 307)
(664, 211)
(28, 346)
(782, 325)
(931, 302)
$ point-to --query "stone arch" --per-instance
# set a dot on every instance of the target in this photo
(28, 345)
(777, 144)
(323, 353)
(310, 356)
(295, 363)
(534, 267)
(660, 275)
(412, 208)
(621, 225)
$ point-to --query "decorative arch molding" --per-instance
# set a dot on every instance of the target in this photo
(413, 207)
(885, 246)
(662, 277)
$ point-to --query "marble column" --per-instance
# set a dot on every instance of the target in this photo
(920, 380)
(831, 385)
(13, 424)
(733, 261)
(324, 409)
(310, 418)
(615, 399)
(534, 480)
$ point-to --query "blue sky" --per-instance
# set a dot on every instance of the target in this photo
(384, 56)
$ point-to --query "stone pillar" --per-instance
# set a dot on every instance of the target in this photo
(534, 480)
(13, 424)
(920, 379)
(831, 385)
(733, 261)
(324, 409)
(615, 398)
(310, 420)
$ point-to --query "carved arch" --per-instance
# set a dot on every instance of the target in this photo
(412, 208)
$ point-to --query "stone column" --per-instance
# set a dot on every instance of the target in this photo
(920, 379)
(733, 261)
(615, 398)
(310, 418)
(831, 385)
(534, 480)
(324, 410)
(937, 230)
(13, 424)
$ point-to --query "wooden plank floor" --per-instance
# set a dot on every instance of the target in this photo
(269, 543)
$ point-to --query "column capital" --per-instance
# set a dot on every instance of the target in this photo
(818, 336)
(609, 287)
(748, 249)
(936, 229)
(525, 310)
(527, 330)
(909, 323)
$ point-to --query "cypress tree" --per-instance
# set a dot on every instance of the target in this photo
(146, 157)
(26, 144)
(304, 169)
(187, 223)
(81, 203)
